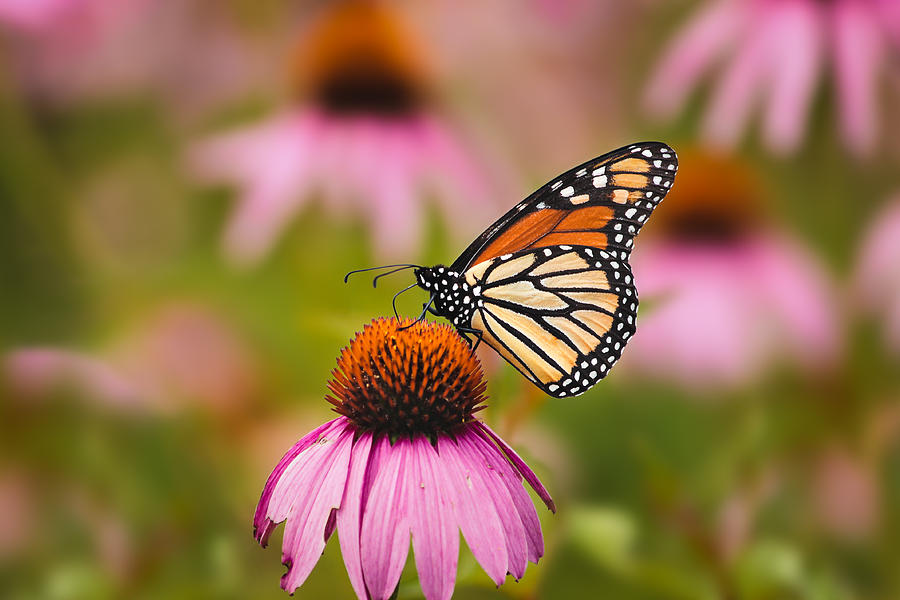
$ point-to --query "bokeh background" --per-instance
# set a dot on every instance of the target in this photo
(183, 185)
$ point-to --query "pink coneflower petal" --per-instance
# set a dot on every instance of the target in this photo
(384, 537)
(691, 54)
(262, 525)
(453, 168)
(858, 55)
(520, 465)
(349, 518)
(398, 212)
(513, 527)
(435, 535)
(323, 484)
(478, 520)
(739, 87)
(522, 502)
(796, 291)
(795, 73)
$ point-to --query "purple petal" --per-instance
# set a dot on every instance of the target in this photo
(281, 184)
(263, 526)
(742, 81)
(519, 464)
(795, 73)
(349, 514)
(522, 501)
(316, 490)
(384, 537)
(396, 207)
(691, 54)
(475, 514)
(435, 536)
(858, 54)
(489, 470)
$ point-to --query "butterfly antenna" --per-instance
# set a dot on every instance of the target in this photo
(397, 270)
(404, 265)
(394, 301)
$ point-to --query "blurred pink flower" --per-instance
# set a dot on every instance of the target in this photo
(188, 52)
(364, 163)
(774, 51)
(364, 138)
(726, 295)
(724, 314)
(877, 281)
(182, 353)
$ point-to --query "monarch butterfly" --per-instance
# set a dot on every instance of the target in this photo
(548, 285)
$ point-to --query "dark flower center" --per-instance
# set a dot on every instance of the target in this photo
(422, 380)
(359, 58)
(715, 200)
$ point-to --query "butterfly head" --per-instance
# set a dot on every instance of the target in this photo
(448, 291)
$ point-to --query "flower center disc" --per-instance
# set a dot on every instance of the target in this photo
(420, 380)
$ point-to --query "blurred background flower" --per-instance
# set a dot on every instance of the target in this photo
(362, 132)
(877, 277)
(774, 54)
(147, 385)
(730, 293)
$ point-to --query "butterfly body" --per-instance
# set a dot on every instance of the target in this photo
(548, 285)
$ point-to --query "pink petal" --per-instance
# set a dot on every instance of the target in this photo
(795, 291)
(514, 484)
(858, 53)
(519, 464)
(876, 271)
(795, 73)
(692, 53)
(278, 189)
(262, 526)
(465, 194)
(384, 537)
(435, 536)
(349, 515)
(476, 516)
(741, 83)
(396, 209)
(315, 491)
(489, 469)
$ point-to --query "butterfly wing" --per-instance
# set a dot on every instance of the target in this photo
(602, 203)
(556, 296)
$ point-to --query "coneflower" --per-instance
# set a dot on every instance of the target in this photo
(406, 458)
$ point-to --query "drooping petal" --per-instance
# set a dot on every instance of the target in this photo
(317, 490)
(279, 187)
(464, 193)
(435, 536)
(691, 54)
(489, 470)
(384, 536)
(795, 292)
(795, 73)
(396, 209)
(475, 514)
(349, 515)
(516, 487)
(858, 54)
(519, 464)
(740, 85)
(263, 526)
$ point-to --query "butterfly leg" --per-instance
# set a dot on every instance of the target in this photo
(466, 331)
